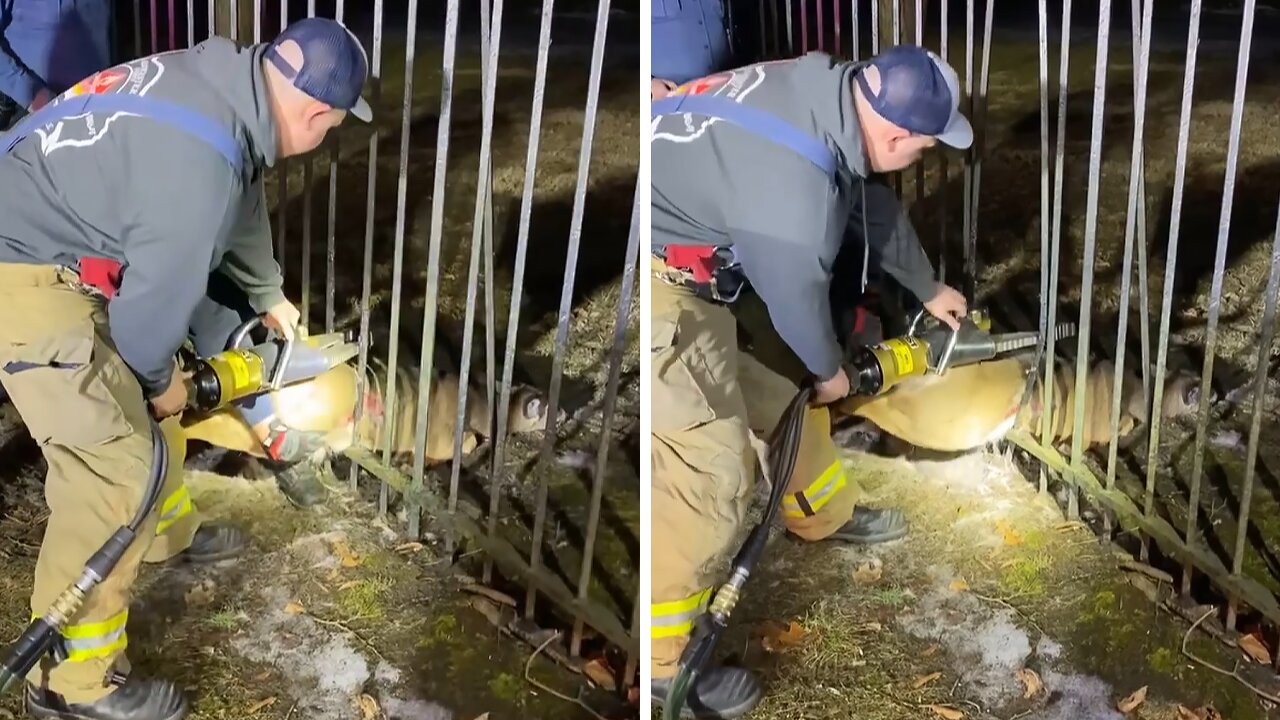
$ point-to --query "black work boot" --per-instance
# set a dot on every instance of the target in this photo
(214, 542)
(721, 692)
(134, 700)
(871, 526)
(302, 483)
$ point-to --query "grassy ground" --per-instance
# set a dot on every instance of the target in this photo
(391, 624)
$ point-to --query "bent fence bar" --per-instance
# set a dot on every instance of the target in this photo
(446, 510)
(1127, 486)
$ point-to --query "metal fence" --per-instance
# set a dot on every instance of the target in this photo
(1241, 573)
(158, 26)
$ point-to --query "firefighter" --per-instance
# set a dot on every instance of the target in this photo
(48, 47)
(121, 196)
(690, 39)
(759, 176)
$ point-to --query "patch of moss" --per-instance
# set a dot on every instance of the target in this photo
(893, 597)
(505, 687)
(363, 599)
(1025, 576)
(1163, 660)
(224, 619)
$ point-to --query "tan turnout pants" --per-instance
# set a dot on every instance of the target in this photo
(85, 409)
(707, 397)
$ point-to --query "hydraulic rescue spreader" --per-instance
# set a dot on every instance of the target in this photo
(214, 383)
(872, 371)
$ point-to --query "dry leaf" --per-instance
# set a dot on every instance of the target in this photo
(200, 594)
(959, 585)
(874, 627)
(600, 674)
(409, 548)
(261, 705)
(1008, 534)
(869, 572)
(348, 558)
(1254, 648)
(781, 638)
(925, 680)
(1030, 682)
(929, 651)
(1132, 702)
(263, 676)
(348, 585)
(369, 709)
(294, 608)
(946, 712)
(1186, 714)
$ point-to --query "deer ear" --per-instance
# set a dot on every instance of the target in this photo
(533, 409)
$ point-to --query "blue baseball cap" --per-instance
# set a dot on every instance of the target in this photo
(334, 64)
(919, 92)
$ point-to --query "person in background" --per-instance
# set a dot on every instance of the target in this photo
(47, 46)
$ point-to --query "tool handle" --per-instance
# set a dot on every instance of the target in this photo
(277, 373)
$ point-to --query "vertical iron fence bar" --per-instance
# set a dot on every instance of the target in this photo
(234, 14)
(822, 32)
(1046, 250)
(1142, 27)
(944, 172)
(1170, 267)
(282, 175)
(366, 282)
(257, 20)
(517, 280)
(633, 659)
(981, 103)
(426, 369)
(191, 23)
(566, 293)
(920, 165)
(610, 402)
(1255, 424)
(490, 280)
(1219, 268)
(896, 30)
(491, 45)
(1144, 298)
(875, 27)
(1090, 241)
(967, 210)
(137, 26)
(804, 26)
(173, 25)
(331, 251)
(308, 177)
(835, 24)
(155, 27)
(855, 35)
(1064, 71)
(213, 20)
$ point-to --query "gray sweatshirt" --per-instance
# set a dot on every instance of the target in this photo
(166, 205)
(714, 183)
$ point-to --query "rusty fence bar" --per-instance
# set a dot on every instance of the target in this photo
(944, 172)
(1215, 293)
(517, 283)
(1142, 27)
(566, 294)
(366, 282)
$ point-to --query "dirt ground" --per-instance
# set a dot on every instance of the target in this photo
(335, 613)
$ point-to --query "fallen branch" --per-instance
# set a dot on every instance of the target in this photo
(1233, 673)
(1020, 613)
(575, 700)
(499, 597)
(343, 626)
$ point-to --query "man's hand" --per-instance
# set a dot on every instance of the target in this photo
(659, 89)
(42, 98)
(283, 318)
(949, 306)
(174, 399)
(829, 391)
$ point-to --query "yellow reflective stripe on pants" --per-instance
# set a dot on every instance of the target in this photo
(808, 502)
(675, 618)
(87, 641)
(174, 508)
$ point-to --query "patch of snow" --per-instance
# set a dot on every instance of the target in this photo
(1080, 697)
(397, 709)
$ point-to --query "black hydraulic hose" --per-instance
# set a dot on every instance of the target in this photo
(41, 635)
(784, 449)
